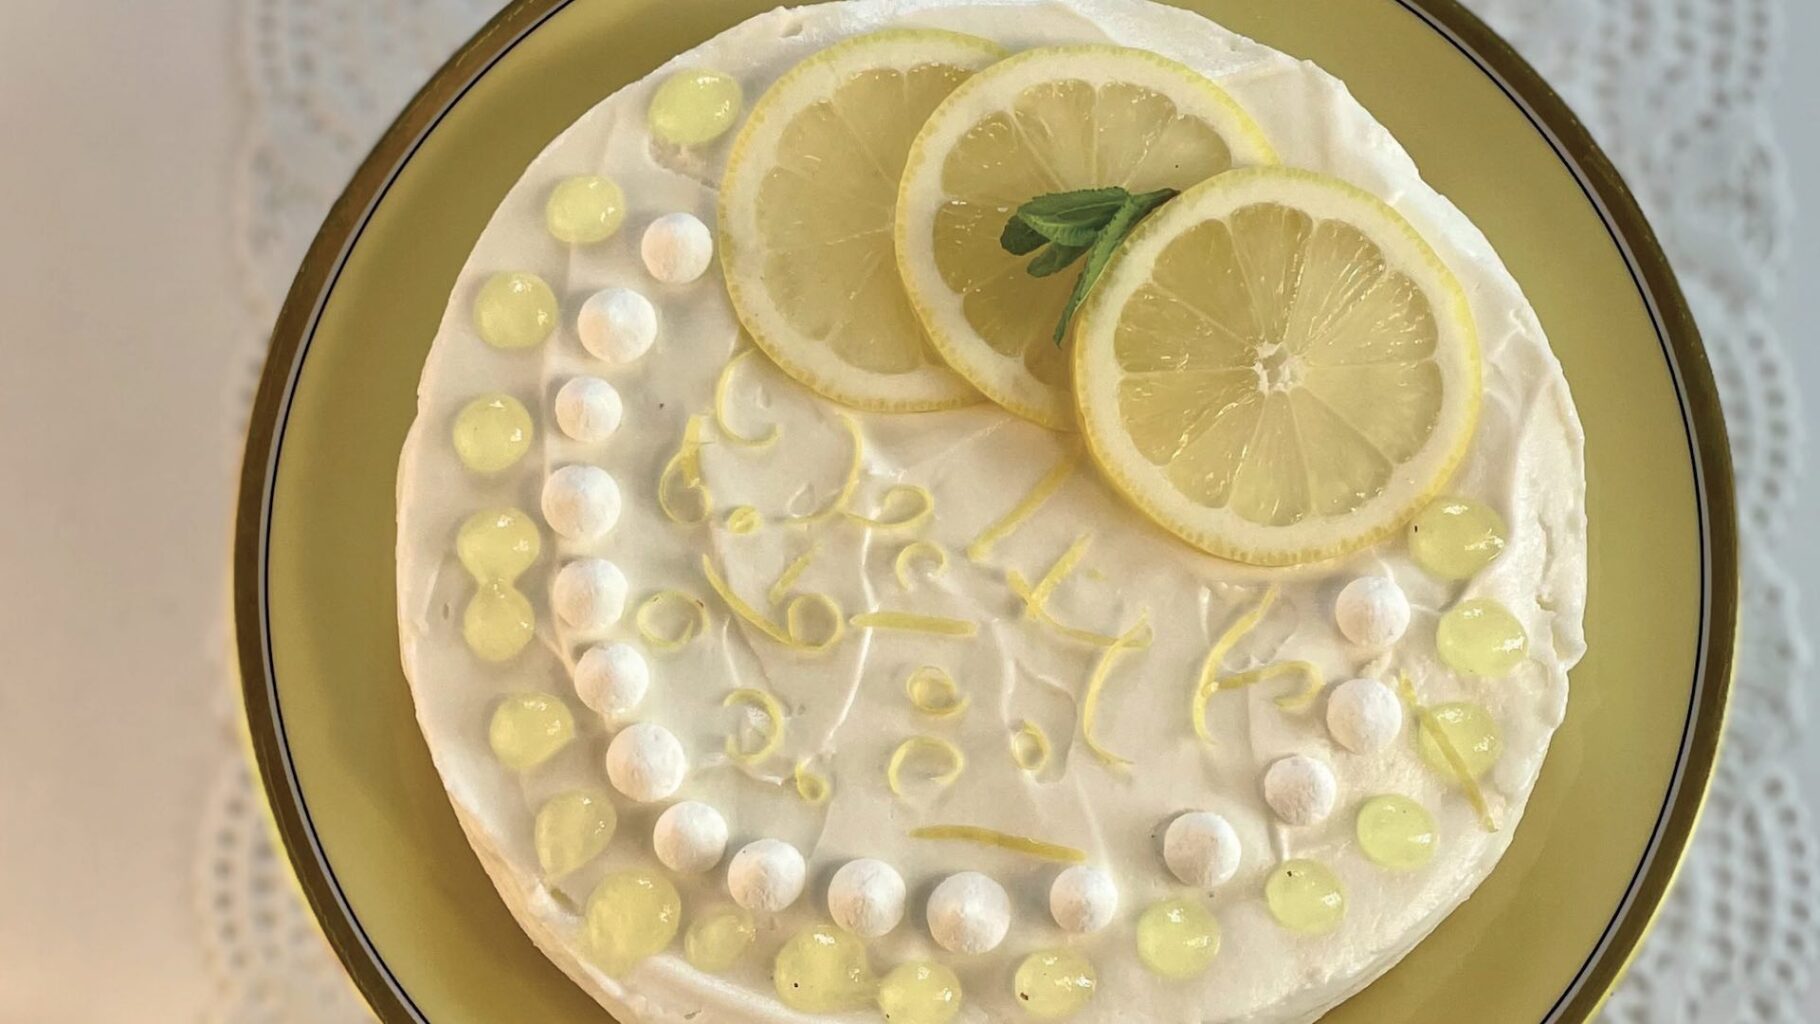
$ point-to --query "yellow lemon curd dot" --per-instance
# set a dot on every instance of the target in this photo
(919, 992)
(718, 939)
(823, 970)
(1471, 731)
(1304, 896)
(498, 544)
(631, 915)
(491, 433)
(573, 829)
(1178, 938)
(498, 622)
(693, 107)
(1054, 983)
(1397, 833)
(528, 729)
(514, 310)
(584, 210)
(1453, 538)
(1481, 637)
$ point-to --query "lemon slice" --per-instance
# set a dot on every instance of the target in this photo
(1277, 368)
(1046, 120)
(806, 207)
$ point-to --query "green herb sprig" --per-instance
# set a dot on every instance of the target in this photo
(1066, 226)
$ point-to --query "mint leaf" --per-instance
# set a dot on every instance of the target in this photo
(1066, 226)
(1130, 212)
(1072, 218)
(1055, 259)
(1019, 238)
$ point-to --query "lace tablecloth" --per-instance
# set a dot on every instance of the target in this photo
(1676, 91)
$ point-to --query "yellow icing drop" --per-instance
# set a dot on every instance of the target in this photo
(933, 692)
(528, 729)
(1178, 938)
(1397, 833)
(514, 310)
(498, 622)
(492, 433)
(498, 544)
(692, 610)
(684, 471)
(572, 829)
(1480, 637)
(1436, 737)
(1026, 506)
(1305, 896)
(919, 992)
(823, 970)
(631, 915)
(718, 939)
(722, 386)
(935, 554)
(771, 734)
(585, 209)
(932, 745)
(1453, 538)
(910, 622)
(1030, 747)
(694, 106)
(1003, 841)
(1054, 983)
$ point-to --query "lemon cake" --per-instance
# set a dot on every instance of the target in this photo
(975, 510)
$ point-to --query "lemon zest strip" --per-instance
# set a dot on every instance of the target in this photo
(685, 466)
(1032, 755)
(773, 732)
(1137, 637)
(1026, 506)
(722, 385)
(1427, 720)
(744, 519)
(849, 485)
(910, 622)
(796, 610)
(788, 634)
(790, 574)
(1002, 840)
(894, 769)
(1289, 701)
(908, 555)
(933, 692)
(812, 787)
(897, 494)
(1209, 683)
(694, 627)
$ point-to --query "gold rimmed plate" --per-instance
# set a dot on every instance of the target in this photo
(361, 809)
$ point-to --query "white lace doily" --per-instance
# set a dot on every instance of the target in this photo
(1677, 93)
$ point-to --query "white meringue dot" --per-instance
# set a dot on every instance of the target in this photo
(677, 248)
(1372, 611)
(969, 913)
(589, 410)
(690, 837)
(617, 325)
(1364, 715)
(1201, 849)
(581, 502)
(1300, 789)
(646, 763)
(866, 897)
(612, 679)
(1083, 899)
(766, 875)
(589, 594)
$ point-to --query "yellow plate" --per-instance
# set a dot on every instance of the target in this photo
(363, 814)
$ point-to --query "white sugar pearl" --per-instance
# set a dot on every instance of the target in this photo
(677, 248)
(589, 409)
(617, 325)
(766, 875)
(1201, 849)
(581, 503)
(866, 897)
(645, 762)
(969, 913)
(1364, 715)
(1372, 611)
(589, 594)
(1083, 899)
(690, 837)
(612, 679)
(1301, 789)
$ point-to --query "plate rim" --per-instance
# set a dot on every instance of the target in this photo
(1522, 85)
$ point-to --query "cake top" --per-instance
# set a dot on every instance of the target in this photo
(773, 670)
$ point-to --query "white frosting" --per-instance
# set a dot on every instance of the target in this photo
(618, 325)
(1364, 715)
(866, 897)
(844, 708)
(1202, 849)
(767, 875)
(589, 595)
(969, 914)
(1083, 899)
(581, 502)
(611, 679)
(588, 409)
(1372, 611)
(646, 763)
(677, 248)
(1300, 789)
(690, 837)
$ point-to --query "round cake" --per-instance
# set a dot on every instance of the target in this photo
(969, 510)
